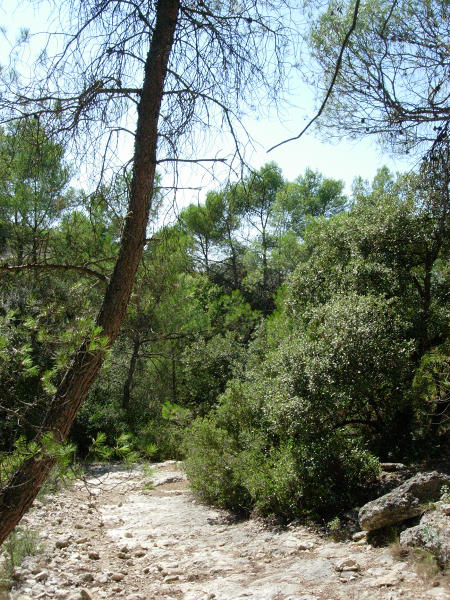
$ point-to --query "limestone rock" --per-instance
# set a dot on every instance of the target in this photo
(392, 467)
(432, 534)
(81, 595)
(404, 502)
(444, 507)
(348, 564)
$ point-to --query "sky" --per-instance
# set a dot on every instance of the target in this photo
(342, 160)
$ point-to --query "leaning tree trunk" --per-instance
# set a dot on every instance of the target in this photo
(17, 496)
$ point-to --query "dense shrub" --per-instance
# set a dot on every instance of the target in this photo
(240, 458)
(344, 373)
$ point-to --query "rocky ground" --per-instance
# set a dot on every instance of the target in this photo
(109, 537)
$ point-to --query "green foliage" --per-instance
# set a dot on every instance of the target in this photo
(281, 340)
(121, 450)
(393, 70)
(240, 457)
(207, 366)
(310, 195)
(148, 472)
(431, 389)
(327, 387)
(33, 178)
(210, 466)
(24, 450)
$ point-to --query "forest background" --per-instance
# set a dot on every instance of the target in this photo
(282, 336)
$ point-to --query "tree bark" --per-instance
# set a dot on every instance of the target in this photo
(17, 496)
(233, 259)
(126, 398)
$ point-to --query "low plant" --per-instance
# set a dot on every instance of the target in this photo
(60, 477)
(122, 449)
(399, 552)
(426, 564)
(148, 472)
(445, 493)
(338, 530)
(22, 542)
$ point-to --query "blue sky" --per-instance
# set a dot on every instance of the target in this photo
(343, 160)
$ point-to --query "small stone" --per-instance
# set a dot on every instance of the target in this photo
(140, 553)
(82, 540)
(171, 578)
(304, 546)
(36, 569)
(445, 508)
(117, 576)
(42, 576)
(62, 543)
(122, 555)
(388, 580)
(349, 564)
(435, 584)
(392, 467)
(359, 535)
(128, 534)
(361, 542)
(81, 595)
(94, 555)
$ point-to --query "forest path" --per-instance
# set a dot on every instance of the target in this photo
(108, 537)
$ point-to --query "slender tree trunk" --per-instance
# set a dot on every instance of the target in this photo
(17, 496)
(265, 272)
(129, 380)
(233, 260)
(426, 302)
(174, 375)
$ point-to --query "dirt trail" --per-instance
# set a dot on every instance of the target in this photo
(109, 537)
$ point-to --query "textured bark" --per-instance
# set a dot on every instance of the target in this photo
(18, 495)
(126, 398)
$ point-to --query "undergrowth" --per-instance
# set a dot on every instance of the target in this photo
(22, 542)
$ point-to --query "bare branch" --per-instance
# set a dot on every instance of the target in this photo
(45, 266)
(333, 80)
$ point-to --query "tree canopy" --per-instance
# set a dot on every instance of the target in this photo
(393, 80)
